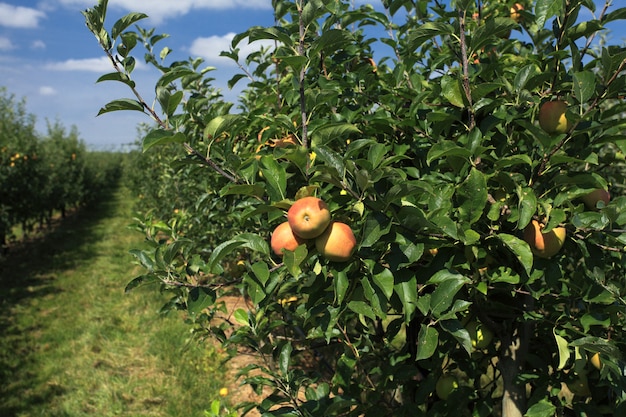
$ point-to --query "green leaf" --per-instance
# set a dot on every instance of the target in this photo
(330, 41)
(376, 226)
(543, 408)
(520, 249)
(245, 240)
(144, 259)
(456, 329)
(619, 14)
(564, 352)
(200, 298)
(221, 124)
(527, 206)
(427, 342)
(141, 280)
(384, 280)
(161, 137)
(546, 9)
(125, 21)
(406, 289)
(341, 285)
(513, 160)
(472, 197)
(452, 91)
(117, 76)
(241, 317)
(446, 148)
(326, 133)
(524, 75)
(121, 104)
(362, 308)
(272, 33)
(427, 31)
(584, 85)
(293, 259)
(443, 296)
(253, 190)
(284, 359)
(275, 178)
(261, 271)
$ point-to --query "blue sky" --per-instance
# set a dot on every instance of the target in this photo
(48, 56)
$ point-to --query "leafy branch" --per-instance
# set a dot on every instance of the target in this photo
(94, 19)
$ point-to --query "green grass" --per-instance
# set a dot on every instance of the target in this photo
(72, 343)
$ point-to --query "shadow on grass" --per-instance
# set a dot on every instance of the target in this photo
(28, 273)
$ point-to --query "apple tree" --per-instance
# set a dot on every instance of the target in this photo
(489, 269)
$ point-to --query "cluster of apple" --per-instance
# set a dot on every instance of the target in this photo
(553, 120)
(309, 219)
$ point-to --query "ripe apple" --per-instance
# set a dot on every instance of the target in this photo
(515, 14)
(445, 385)
(593, 197)
(284, 238)
(544, 245)
(337, 243)
(480, 334)
(308, 217)
(552, 117)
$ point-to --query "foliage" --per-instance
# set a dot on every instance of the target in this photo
(43, 173)
(433, 154)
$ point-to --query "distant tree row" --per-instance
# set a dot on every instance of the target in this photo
(44, 174)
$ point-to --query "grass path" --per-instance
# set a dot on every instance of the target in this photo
(72, 343)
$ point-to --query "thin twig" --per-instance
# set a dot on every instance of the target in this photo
(465, 68)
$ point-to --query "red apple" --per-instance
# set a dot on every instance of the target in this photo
(308, 217)
(593, 197)
(544, 245)
(284, 238)
(337, 243)
(552, 117)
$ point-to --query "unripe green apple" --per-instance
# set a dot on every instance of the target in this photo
(337, 243)
(284, 238)
(544, 245)
(445, 385)
(593, 197)
(552, 117)
(480, 334)
(308, 217)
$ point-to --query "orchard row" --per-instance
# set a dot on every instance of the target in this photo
(44, 174)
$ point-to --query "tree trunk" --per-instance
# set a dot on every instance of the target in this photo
(513, 355)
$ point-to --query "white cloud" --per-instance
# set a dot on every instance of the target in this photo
(38, 44)
(211, 47)
(5, 44)
(19, 17)
(45, 90)
(159, 10)
(88, 64)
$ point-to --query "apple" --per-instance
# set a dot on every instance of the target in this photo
(515, 14)
(308, 217)
(284, 238)
(593, 197)
(596, 361)
(337, 243)
(480, 334)
(445, 385)
(544, 245)
(580, 386)
(552, 117)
